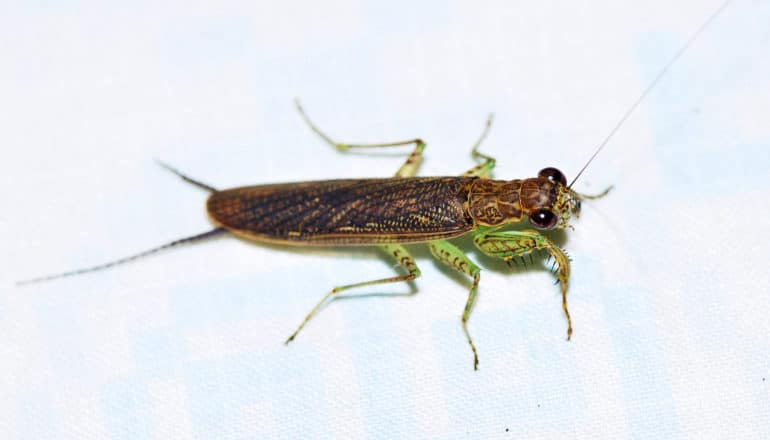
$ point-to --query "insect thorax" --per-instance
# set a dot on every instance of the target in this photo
(495, 202)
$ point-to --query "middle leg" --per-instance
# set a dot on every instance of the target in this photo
(453, 257)
(488, 162)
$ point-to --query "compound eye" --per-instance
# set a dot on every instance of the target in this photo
(543, 219)
(553, 175)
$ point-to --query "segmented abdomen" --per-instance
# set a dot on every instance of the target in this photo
(346, 212)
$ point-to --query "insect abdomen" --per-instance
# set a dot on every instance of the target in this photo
(346, 212)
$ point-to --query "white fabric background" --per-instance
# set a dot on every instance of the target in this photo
(669, 291)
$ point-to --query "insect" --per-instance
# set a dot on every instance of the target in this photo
(406, 209)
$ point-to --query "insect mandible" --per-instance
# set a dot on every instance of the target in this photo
(405, 209)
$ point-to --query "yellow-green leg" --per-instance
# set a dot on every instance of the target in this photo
(510, 244)
(453, 257)
(409, 168)
(488, 163)
(398, 253)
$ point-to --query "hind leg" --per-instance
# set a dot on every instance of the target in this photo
(397, 252)
(408, 169)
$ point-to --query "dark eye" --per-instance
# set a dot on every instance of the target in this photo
(543, 219)
(553, 175)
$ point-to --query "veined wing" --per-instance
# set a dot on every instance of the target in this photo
(346, 212)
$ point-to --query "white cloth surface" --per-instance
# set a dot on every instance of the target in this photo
(669, 287)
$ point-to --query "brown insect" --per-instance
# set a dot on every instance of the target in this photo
(405, 209)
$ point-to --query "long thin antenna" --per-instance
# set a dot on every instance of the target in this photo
(652, 85)
(198, 237)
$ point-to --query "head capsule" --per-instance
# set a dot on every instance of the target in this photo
(547, 200)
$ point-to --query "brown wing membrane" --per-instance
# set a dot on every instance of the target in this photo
(346, 212)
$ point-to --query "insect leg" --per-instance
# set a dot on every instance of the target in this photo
(453, 257)
(509, 244)
(409, 168)
(399, 254)
(484, 168)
